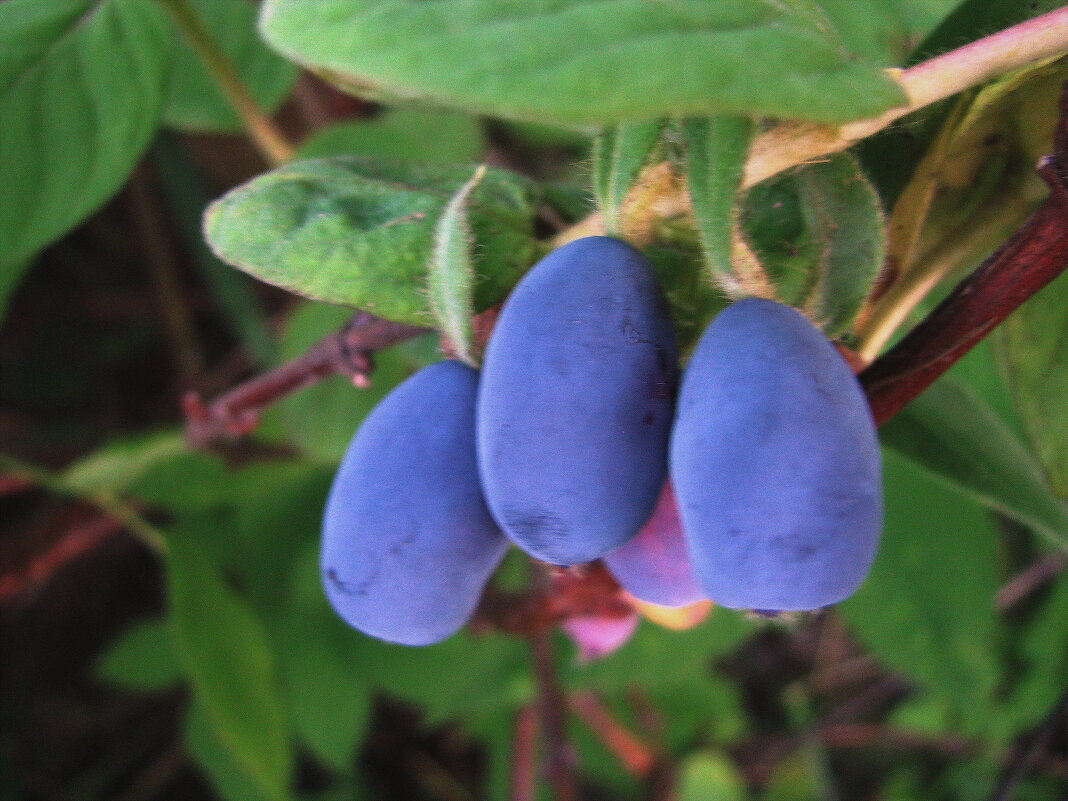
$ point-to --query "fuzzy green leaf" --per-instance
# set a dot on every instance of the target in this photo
(82, 86)
(451, 272)
(194, 100)
(845, 219)
(576, 61)
(224, 651)
(716, 151)
(953, 434)
(619, 154)
(1034, 350)
(360, 233)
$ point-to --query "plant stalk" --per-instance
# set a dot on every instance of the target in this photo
(265, 135)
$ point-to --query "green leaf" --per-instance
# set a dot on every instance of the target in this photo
(619, 154)
(927, 609)
(401, 134)
(358, 232)
(716, 151)
(329, 703)
(157, 468)
(707, 775)
(194, 100)
(142, 658)
(277, 514)
(950, 432)
(451, 274)
(225, 653)
(322, 419)
(845, 218)
(1045, 658)
(121, 463)
(82, 84)
(229, 778)
(572, 61)
(1034, 351)
(464, 675)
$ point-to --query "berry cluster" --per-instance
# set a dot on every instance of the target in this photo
(561, 445)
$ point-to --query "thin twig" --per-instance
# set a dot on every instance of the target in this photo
(72, 546)
(1027, 755)
(1029, 580)
(348, 352)
(552, 708)
(1035, 255)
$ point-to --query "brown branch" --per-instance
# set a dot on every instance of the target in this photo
(1035, 255)
(552, 710)
(348, 352)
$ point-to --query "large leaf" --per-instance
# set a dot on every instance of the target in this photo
(82, 85)
(229, 778)
(951, 432)
(358, 232)
(577, 61)
(330, 705)
(927, 609)
(1035, 352)
(224, 651)
(195, 101)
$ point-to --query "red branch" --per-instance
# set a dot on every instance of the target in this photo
(348, 352)
(1033, 256)
(636, 756)
(44, 565)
